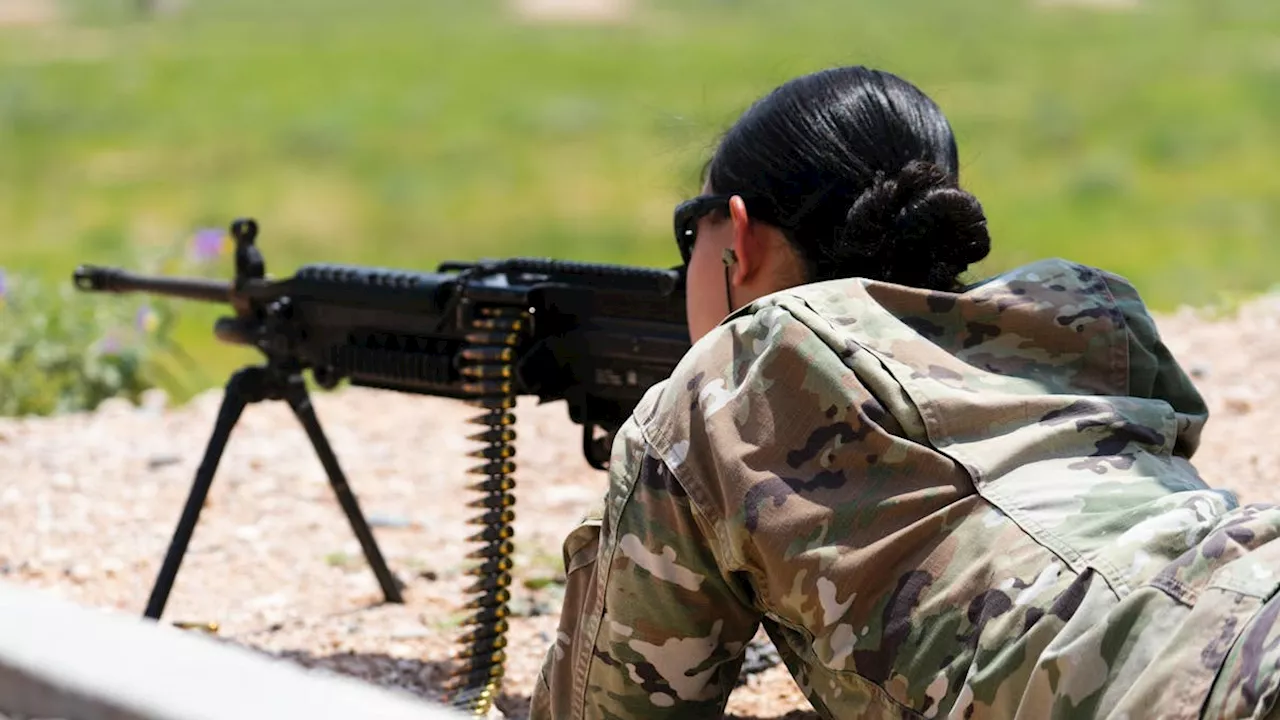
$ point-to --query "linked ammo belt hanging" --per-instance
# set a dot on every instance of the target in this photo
(488, 363)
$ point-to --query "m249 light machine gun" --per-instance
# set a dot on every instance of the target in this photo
(596, 336)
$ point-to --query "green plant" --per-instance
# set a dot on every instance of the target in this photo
(65, 351)
(59, 353)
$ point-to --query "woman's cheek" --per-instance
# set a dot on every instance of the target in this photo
(701, 308)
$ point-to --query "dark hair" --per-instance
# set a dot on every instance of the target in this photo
(861, 170)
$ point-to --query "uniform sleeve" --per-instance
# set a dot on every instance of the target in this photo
(650, 626)
(1153, 370)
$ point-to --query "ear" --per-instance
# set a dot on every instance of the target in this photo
(748, 245)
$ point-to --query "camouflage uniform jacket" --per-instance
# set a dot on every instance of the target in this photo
(968, 505)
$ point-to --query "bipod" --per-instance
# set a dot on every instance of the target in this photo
(249, 385)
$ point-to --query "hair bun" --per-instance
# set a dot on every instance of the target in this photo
(917, 228)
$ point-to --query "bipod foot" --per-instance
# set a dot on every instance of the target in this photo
(250, 385)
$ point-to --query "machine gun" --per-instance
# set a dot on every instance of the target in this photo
(596, 336)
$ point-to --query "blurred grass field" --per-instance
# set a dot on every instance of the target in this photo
(1143, 139)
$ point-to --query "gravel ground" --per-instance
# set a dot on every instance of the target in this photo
(88, 503)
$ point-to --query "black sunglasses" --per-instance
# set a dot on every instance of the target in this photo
(689, 212)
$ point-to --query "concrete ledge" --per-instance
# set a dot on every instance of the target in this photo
(59, 660)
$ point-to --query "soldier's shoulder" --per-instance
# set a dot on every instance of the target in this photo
(738, 361)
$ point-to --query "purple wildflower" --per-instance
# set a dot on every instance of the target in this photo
(146, 320)
(208, 244)
(109, 345)
(4, 284)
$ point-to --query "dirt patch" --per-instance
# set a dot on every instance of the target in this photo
(1103, 5)
(29, 12)
(573, 11)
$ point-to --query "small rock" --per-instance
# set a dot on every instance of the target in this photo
(1199, 371)
(389, 521)
(1237, 401)
(154, 400)
(111, 566)
(114, 407)
(409, 632)
(274, 600)
(159, 460)
(429, 575)
(55, 556)
(248, 532)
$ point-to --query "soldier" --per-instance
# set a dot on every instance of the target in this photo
(939, 499)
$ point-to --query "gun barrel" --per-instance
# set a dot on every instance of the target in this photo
(92, 278)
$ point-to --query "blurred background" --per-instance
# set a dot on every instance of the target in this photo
(1141, 136)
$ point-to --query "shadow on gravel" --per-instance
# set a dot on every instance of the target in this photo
(426, 679)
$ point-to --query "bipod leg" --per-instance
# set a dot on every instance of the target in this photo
(295, 392)
(244, 387)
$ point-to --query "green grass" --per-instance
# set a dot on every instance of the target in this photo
(407, 132)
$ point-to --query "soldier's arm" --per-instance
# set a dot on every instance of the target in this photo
(651, 628)
(1154, 371)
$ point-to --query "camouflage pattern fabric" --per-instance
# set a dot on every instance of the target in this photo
(938, 505)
